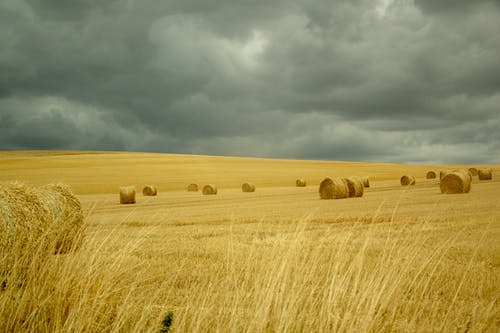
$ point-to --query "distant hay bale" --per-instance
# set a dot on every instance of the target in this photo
(407, 180)
(430, 175)
(366, 181)
(458, 181)
(485, 174)
(300, 182)
(247, 187)
(127, 195)
(354, 186)
(473, 171)
(149, 190)
(209, 189)
(333, 189)
(36, 222)
(192, 188)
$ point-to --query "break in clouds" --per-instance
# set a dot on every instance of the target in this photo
(389, 80)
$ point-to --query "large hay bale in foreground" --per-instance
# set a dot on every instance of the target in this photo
(458, 181)
(355, 187)
(333, 189)
(485, 174)
(366, 181)
(192, 187)
(149, 190)
(209, 189)
(473, 171)
(300, 182)
(36, 222)
(247, 187)
(407, 180)
(127, 195)
(430, 175)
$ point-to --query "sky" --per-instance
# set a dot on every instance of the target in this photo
(405, 81)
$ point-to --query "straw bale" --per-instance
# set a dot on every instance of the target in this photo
(354, 186)
(300, 182)
(333, 189)
(149, 190)
(485, 174)
(192, 187)
(407, 180)
(458, 181)
(209, 189)
(127, 195)
(248, 187)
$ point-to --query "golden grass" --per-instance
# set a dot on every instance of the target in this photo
(279, 260)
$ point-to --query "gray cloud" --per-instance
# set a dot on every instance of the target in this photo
(353, 80)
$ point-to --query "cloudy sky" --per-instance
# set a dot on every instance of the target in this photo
(414, 81)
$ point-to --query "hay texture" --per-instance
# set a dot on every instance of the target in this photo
(366, 181)
(473, 171)
(36, 222)
(209, 189)
(248, 187)
(192, 188)
(485, 174)
(149, 190)
(127, 195)
(354, 186)
(430, 175)
(458, 181)
(407, 180)
(333, 189)
(300, 182)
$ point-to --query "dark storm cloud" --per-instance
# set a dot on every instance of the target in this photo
(355, 80)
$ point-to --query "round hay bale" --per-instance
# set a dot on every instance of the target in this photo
(300, 182)
(443, 173)
(247, 187)
(192, 188)
(36, 222)
(333, 189)
(366, 181)
(354, 186)
(149, 190)
(485, 174)
(458, 181)
(430, 175)
(209, 189)
(127, 195)
(407, 180)
(473, 171)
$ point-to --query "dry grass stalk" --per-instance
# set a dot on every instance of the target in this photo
(333, 188)
(407, 180)
(248, 187)
(209, 189)
(430, 175)
(127, 195)
(485, 174)
(354, 186)
(192, 187)
(458, 181)
(149, 190)
(300, 182)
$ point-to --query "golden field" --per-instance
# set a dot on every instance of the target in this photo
(280, 259)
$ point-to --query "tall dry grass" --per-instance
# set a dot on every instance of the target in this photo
(302, 277)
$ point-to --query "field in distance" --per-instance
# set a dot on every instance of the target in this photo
(279, 259)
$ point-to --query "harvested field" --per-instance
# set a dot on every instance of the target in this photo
(280, 259)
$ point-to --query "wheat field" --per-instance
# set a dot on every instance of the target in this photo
(398, 259)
